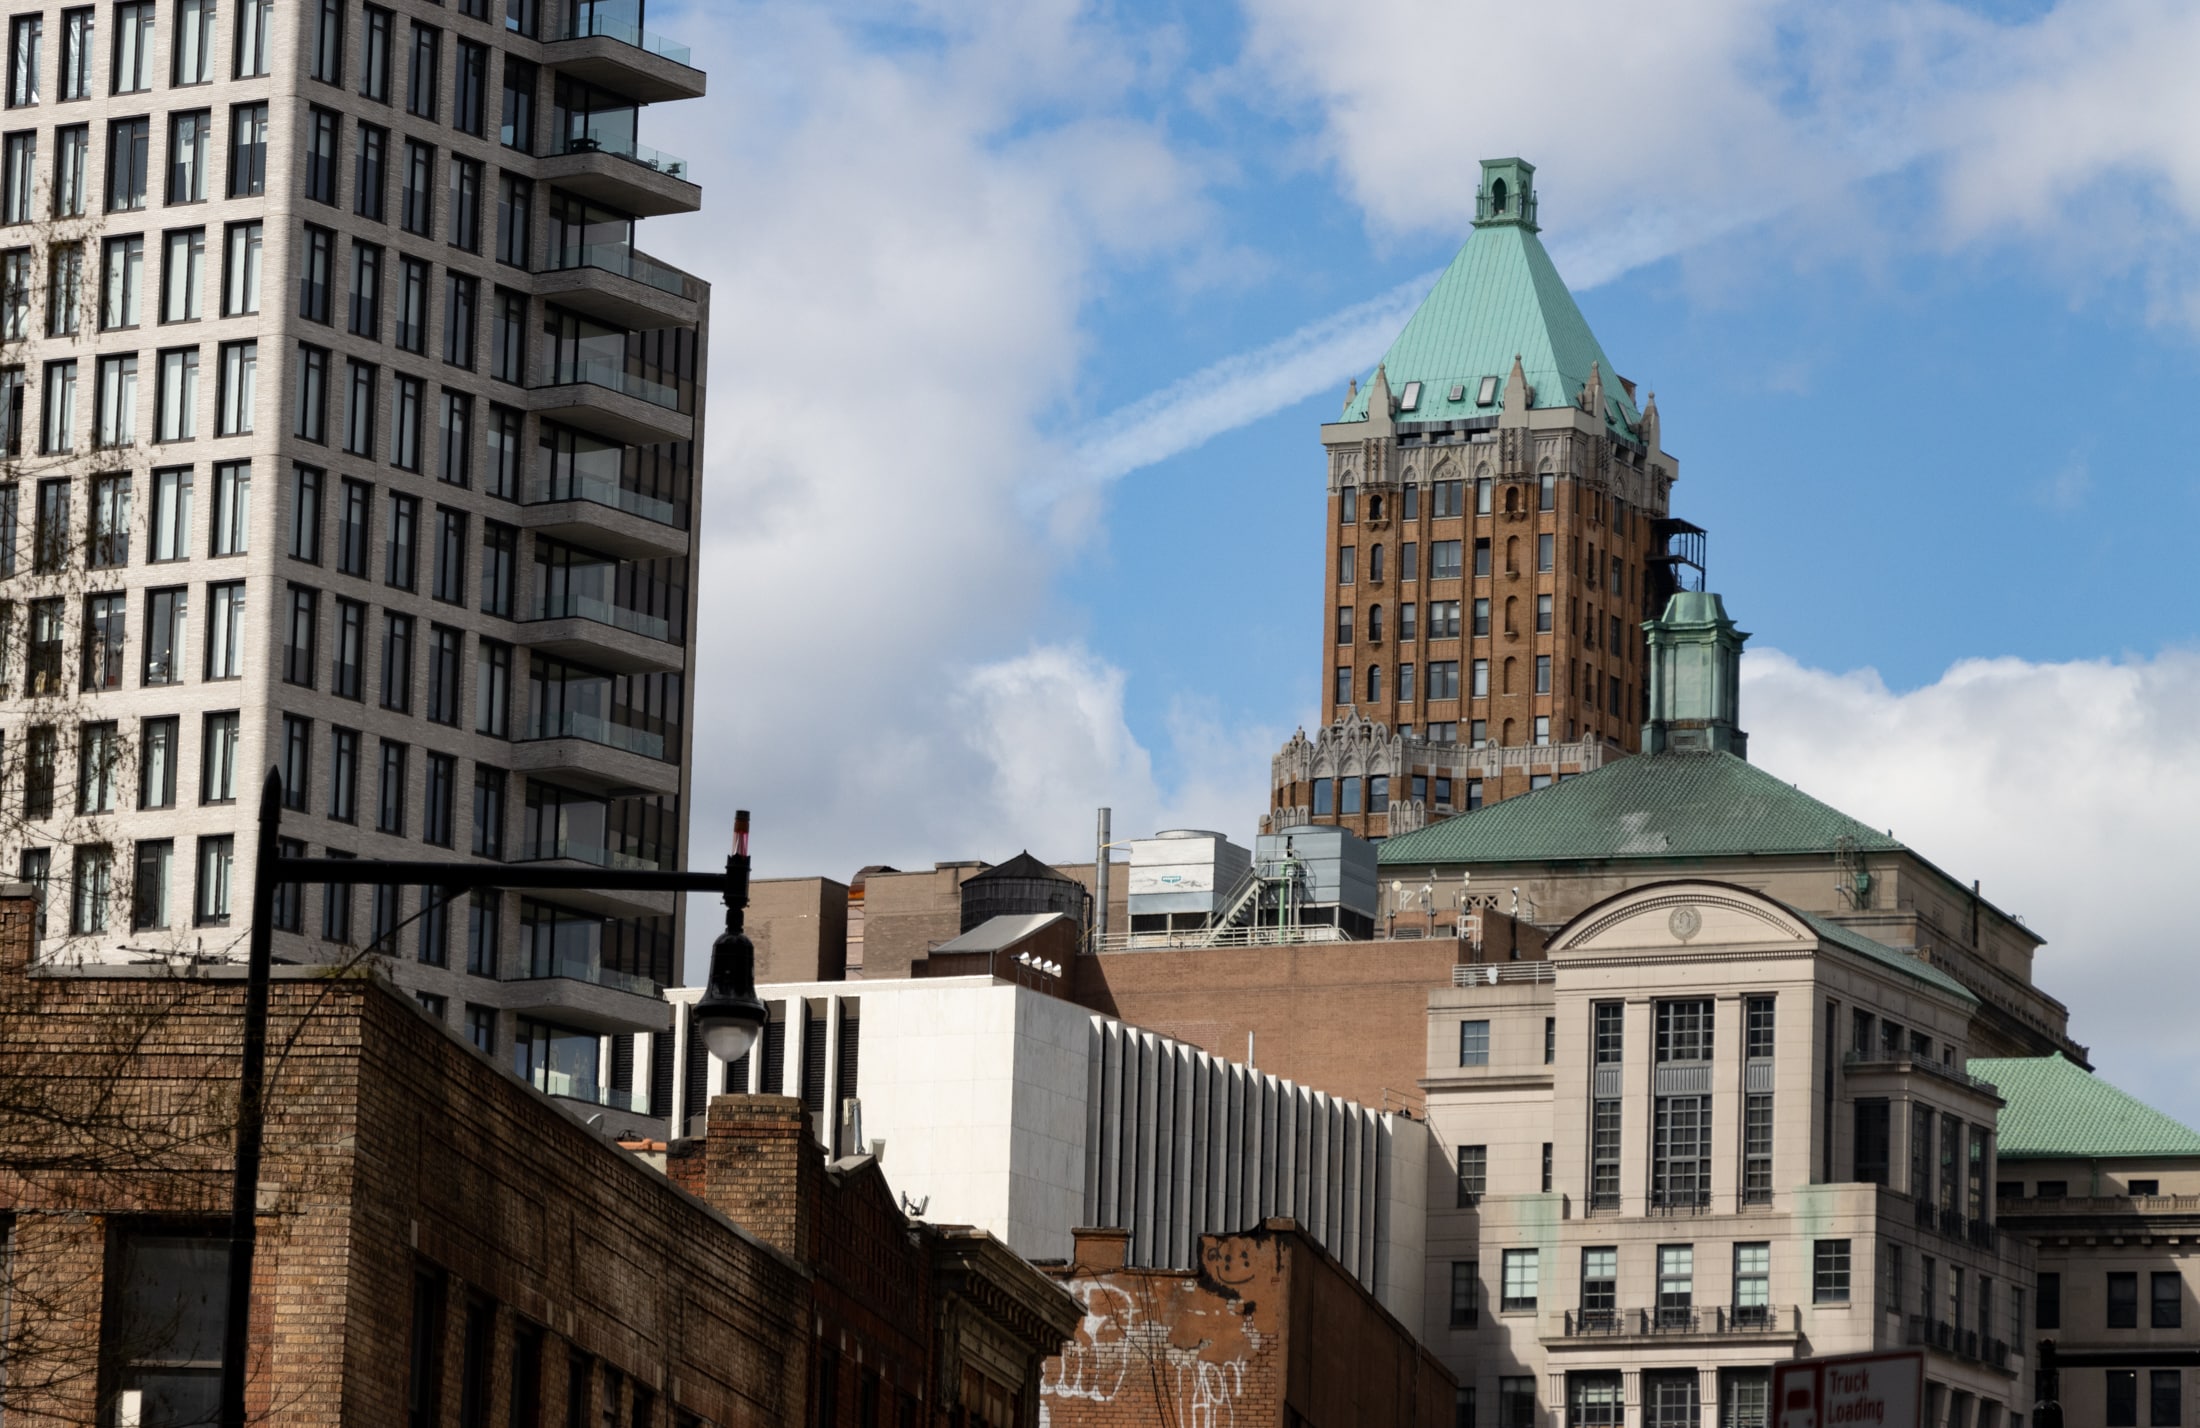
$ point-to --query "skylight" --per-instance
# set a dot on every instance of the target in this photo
(1488, 393)
(1410, 398)
(1458, 391)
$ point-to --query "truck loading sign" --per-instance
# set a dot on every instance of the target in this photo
(1856, 1391)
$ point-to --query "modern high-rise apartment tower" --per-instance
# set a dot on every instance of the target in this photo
(1498, 531)
(351, 433)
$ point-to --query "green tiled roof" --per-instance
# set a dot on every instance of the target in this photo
(2058, 1110)
(1648, 806)
(1903, 962)
(1500, 298)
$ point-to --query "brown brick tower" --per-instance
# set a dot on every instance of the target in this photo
(1497, 533)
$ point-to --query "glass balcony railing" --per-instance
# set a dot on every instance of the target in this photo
(623, 25)
(603, 612)
(587, 969)
(544, 490)
(592, 853)
(632, 150)
(627, 263)
(598, 730)
(612, 376)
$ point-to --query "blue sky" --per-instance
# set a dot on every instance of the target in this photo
(1025, 315)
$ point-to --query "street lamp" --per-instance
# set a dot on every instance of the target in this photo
(730, 1015)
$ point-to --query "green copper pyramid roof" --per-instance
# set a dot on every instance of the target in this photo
(2058, 1110)
(1500, 298)
(1674, 805)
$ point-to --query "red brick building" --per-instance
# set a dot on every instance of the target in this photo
(440, 1244)
(1268, 1329)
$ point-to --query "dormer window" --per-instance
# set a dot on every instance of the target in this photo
(1487, 394)
(1410, 397)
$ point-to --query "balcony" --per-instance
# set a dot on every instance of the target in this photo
(585, 997)
(595, 632)
(623, 174)
(607, 45)
(1670, 1321)
(605, 516)
(585, 898)
(587, 752)
(613, 283)
(600, 396)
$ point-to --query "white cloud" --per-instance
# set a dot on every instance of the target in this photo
(2074, 133)
(2072, 790)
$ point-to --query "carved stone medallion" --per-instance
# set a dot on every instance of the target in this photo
(1685, 922)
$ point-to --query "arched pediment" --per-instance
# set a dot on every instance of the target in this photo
(1683, 916)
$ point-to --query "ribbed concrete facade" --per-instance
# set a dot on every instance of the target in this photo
(1029, 1116)
(357, 438)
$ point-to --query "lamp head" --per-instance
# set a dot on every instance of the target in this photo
(731, 1016)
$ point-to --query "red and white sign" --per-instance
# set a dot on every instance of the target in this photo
(1855, 1391)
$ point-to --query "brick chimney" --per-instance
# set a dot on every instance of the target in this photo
(1100, 1250)
(763, 1171)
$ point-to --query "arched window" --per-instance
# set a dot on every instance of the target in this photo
(1375, 624)
(1498, 197)
(1505, 738)
(1374, 684)
(1512, 500)
(1374, 507)
(1375, 564)
(1507, 686)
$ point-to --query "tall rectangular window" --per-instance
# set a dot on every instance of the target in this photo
(1600, 1286)
(1681, 1120)
(502, 438)
(450, 556)
(255, 19)
(225, 630)
(446, 659)
(177, 396)
(488, 817)
(2167, 1300)
(425, 70)
(459, 296)
(218, 758)
(366, 290)
(189, 136)
(402, 556)
(1872, 1139)
(133, 64)
(360, 401)
(1519, 1285)
(217, 865)
(64, 289)
(305, 514)
(508, 354)
(349, 656)
(165, 636)
(25, 34)
(397, 662)
(370, 172)
(105, 637)
(239, 386)
(50, 526)
(152, 877)
(232, 507)
(182, 275)
(299, 653)
(18, 176)
(194, 43)
(328, 42)
(248, 150)
(1474, 1174)
(1676, 1286)
(128, 143)
(2123, 1300)
(312, 417)
(297, 762)
(1829, 1272)
(170, 525)
(1464, 1313)
(71, 159)
(76, 53)
(405, 419)
(1753, 1284)
(109, 545)
(170, 1296)
(323, 141)
(515, 210)
(374, 54)
(457, 467)
(241, 246)
(390, 799)
(354, 522)
(470, 90)
(343, 775)
(439, 799)
(1474, 1043)
(316, 275)
(118, 384)
(1606, 1039)
(412, 305)
(493, 689)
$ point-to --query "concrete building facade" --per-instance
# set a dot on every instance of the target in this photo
(1498, 528)
(1008, 1108)
(353, 434)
